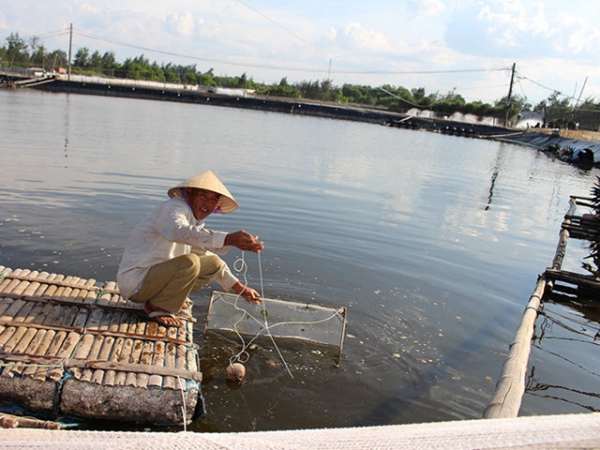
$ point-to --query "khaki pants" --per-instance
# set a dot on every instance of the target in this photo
(168, 284)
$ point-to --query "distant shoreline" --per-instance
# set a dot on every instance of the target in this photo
(535, 139)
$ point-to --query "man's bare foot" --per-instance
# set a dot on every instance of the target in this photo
(161, 316)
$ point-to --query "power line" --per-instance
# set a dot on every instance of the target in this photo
(296, 69)
(300, 38)
(416, 72)
(198, 58)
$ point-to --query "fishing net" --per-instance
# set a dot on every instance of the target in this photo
(275, 318)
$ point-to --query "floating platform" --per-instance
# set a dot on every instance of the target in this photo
(71, 348)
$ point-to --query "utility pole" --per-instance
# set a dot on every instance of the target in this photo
(70, 49)
(512, 78)
(576, 103)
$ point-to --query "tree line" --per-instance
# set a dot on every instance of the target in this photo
(557, 110)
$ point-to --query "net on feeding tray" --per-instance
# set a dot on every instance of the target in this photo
(275, 318)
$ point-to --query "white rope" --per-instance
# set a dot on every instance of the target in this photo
(244, 267)
(243, 356)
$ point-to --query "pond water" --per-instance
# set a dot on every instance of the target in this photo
(433, 243)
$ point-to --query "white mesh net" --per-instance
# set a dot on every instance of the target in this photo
(276, 318)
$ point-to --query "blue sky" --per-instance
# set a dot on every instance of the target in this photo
(441, 45)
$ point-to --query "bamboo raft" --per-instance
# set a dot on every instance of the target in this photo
(70, 348)
(510, 388)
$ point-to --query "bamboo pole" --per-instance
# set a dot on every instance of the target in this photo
(10, 421)
(511, 385)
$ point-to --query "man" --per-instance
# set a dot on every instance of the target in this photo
(171, 254)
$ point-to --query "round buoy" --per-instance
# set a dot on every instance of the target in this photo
(236, 372)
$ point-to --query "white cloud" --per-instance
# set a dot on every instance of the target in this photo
(207, 29)
(508, 22)
(182, 24)
(421, 9)
(364, 39)
(574, 34)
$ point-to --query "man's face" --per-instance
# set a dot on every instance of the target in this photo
(202, 202)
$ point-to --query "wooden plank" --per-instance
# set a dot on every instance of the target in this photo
(5, 304)
(116, 321)
(136, 351)
(23, 344)
(72, 295)
(62, 293)
(181, 357)
(35, 311)
(98, 375)
(69, 315)
(94, 351)
(145, 359)
(6, 335)
(40, 292)
(14, 339)
(103, 298)
(42, 372)
(24, 312)
(13, 283)
(48, 308)
(192, 360)
(81, 318)
(170, 353)
(95, 319)
(13, 310)
(101, 365)
(21, 287)
(126, 350)
(30, 291)
(106, 319)
(31, 349)
(115, 353)
(50, 290)
(4, 284)
(159, 361)
(35, 343)
(65, 351)
(114, 300)
(85, 346)
(41, 350)
(21, 347)
(81, 296)
(54, 317)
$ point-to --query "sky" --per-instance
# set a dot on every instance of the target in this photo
(465, 46)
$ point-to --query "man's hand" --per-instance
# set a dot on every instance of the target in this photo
(244, 241)
(248, 293)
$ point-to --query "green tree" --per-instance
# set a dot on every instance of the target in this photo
(556, 111)
(109, 63)
(587, 115)
(56, 59)
(38, 57)
(16, 52)
(82, 58)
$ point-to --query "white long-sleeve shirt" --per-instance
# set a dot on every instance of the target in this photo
(169, 231)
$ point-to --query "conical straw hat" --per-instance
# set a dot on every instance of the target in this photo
(210, 182)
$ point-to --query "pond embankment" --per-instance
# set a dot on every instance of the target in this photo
(187, 94)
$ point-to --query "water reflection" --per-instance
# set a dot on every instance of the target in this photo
(432, 242)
